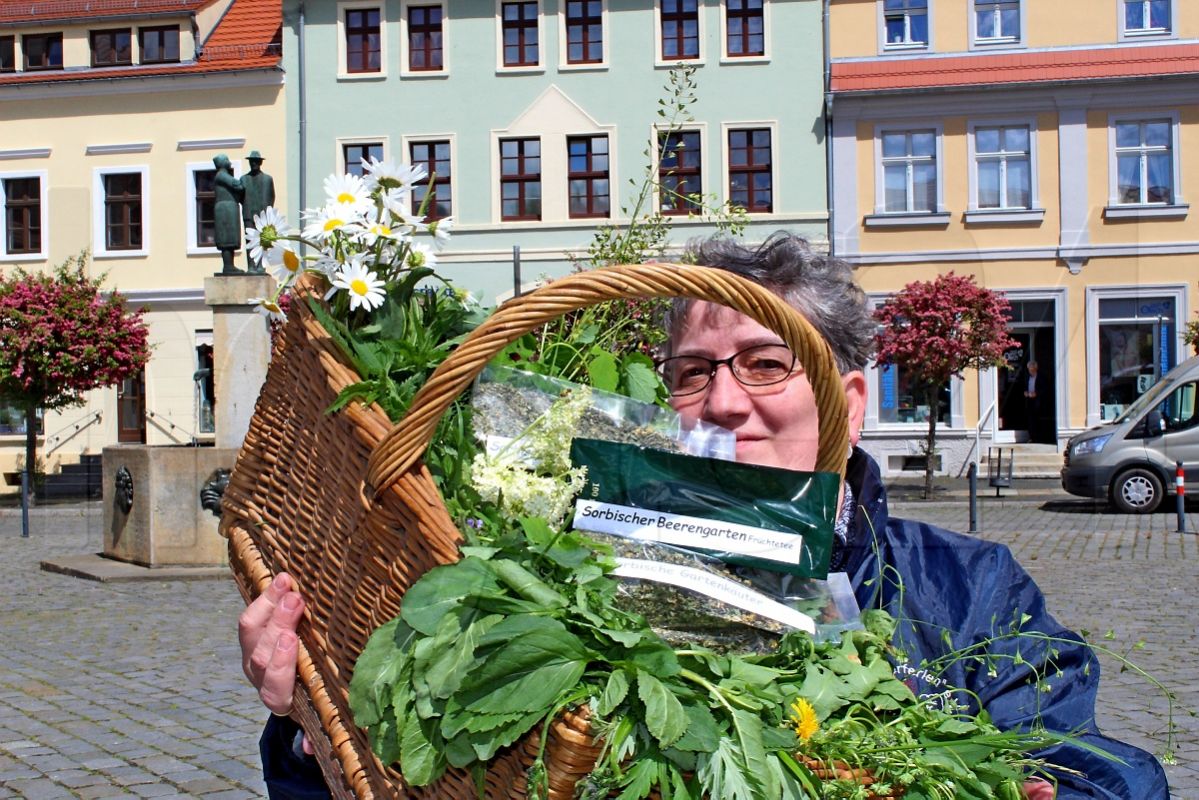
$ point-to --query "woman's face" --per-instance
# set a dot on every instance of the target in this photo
(776, 425)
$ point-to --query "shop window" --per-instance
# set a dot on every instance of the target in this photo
(900, 403)
(1136, 347)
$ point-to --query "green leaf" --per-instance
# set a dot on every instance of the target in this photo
(641, 381)
(722, 773)
(447, 670)
(421, 761)
(748, 727)
(702, 734)
(527, 673)
(654, 656)
(640, 780)
(442, 588)
(664, 715)
(378, 668)
(614, 694)
(602, 371)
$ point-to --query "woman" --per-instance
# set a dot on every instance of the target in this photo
(935, 582)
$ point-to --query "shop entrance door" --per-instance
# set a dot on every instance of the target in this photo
(1023, 418)
(131, 410)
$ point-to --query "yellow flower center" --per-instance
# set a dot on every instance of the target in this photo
(380, 230)
(359, 287)
(291, 261)
(333, 224)
(346, 197)
(271, 307)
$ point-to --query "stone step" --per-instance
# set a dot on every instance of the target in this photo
(1028, 461)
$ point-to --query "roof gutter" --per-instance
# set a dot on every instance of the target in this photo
(828, 128)
(303, 111)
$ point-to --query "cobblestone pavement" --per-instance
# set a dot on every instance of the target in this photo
(134, 690)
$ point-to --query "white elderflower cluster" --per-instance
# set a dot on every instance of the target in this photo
(532, 475)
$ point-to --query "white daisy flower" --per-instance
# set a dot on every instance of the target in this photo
(269, 309)
(364, 288)
(380, 230)
(323, 222)
(386, 175)
(441, 231)
(397, 201)
(287, 266)
(350, 190)
(269, 227)
(420, 255)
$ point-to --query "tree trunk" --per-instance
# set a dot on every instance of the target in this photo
(30, 451)
(930, 397)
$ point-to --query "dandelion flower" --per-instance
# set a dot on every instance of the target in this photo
(269, 227)
(288, 265)
(269, 309)
(347, 190)
(803, 718)
(365, 289)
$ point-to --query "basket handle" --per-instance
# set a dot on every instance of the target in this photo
(407, 441)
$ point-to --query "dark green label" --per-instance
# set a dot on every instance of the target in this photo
(743, 514)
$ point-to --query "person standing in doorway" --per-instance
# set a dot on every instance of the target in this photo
(1032, 401)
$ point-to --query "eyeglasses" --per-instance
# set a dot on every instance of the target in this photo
(760, 365)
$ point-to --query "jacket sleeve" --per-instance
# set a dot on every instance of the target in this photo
(288, 772)
(1014, 659)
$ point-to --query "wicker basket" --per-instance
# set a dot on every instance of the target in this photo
(344, 504)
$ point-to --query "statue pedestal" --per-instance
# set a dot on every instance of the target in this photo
(241, 347)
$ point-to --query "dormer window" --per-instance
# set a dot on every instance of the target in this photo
(112, 48)
(159, 45)
(42, 50)
(8, 60)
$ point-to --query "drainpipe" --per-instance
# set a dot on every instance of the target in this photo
(828, 127)
(302, 88)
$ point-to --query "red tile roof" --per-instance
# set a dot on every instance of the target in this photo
(38, 11)
(1015, 68)
(248, 37)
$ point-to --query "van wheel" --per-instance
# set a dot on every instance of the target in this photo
(1137, 491)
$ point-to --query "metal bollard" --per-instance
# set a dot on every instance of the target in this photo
(24, 504)
(973, 497)
(1180, 492)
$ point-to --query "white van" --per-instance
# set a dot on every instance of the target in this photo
(1131, 460)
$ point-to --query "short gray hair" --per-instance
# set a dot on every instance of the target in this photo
(821, 288)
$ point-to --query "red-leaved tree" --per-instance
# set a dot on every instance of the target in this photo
(934, 330)
(60, 337)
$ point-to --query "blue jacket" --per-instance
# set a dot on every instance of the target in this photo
(936, 582)
(973, 589)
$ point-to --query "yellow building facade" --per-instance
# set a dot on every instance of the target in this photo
(110, 124)
(1044, 152)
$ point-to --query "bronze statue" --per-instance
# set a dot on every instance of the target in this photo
(259, 193)
(228, 192)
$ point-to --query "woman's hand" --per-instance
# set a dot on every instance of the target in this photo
(269, 649)
(1038, 789)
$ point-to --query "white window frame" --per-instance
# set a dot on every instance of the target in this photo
(725, 57)
(1175, 291)
(1035, 211)
(340, 155)
(452, 138)
(874, 394)
(405, 70)
(189, 188)
(1134, 34)
(500, 68)
(660, 62)
(903, 47)
(43, 212)
(705, 180)
(1115, 208)
(775, 188)
(880, 189)
(343, 72)
(99, 240)
(563, 64)
(997, 42)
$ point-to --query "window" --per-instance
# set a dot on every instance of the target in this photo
(363, 40)
(1003, 166)
(22, 216)
(680, 29)
(584, 32)
(112, 48)
(905, 23)
(8, 56)
(588, 176)
(745, 28)
(159, 45)
(205, 384)
(680, 176)
(898, 401)
(123, 211)
(1144, 162)
(996, 21)
(519, 27)
(353, 155)
(42, 50)
(1137, 343)
(909, 162)
(205, 207)
(425, 40)
(750, 170)
(520, 179)
(12, 420)
(1147, 17)
(435, 156)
